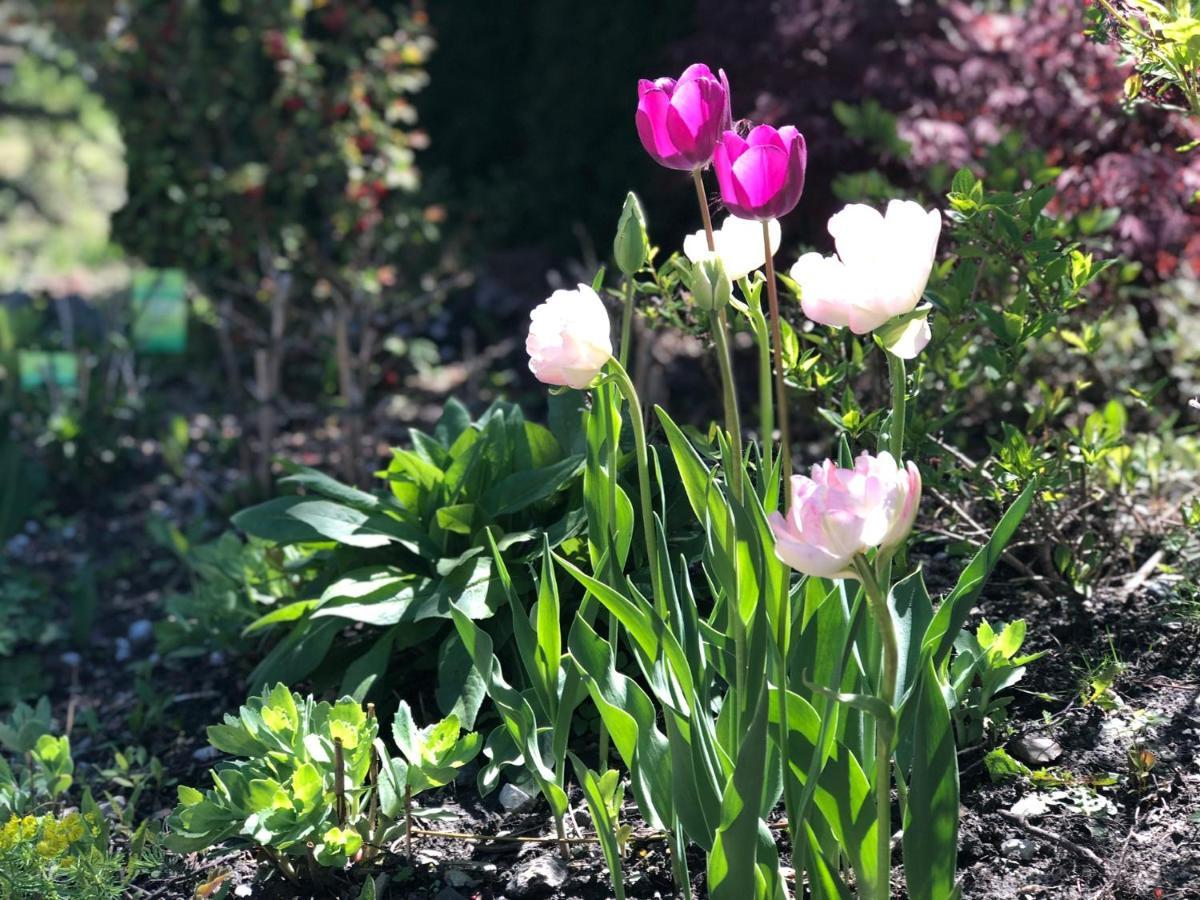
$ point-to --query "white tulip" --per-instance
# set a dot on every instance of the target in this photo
(880, 272)
(569, 338)
(739, 243)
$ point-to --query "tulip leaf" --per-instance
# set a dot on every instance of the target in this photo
(951, 615)
(931, 813)
(631, 720)
(605, 823)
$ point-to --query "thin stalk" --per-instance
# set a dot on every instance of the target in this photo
(642, 457)
(877, 602)
(564, 846)
(626, 321)
(373, 804)
(896, 429)
(735, 429)
(610, 428)
(339, 780)
(733, 417)
(785, 447)
(408, 820)
(765, 404)
(897, 376)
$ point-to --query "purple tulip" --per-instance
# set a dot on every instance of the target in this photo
(680, 122)
(762, 175)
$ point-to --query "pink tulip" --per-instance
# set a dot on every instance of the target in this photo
(569, 338)
(838, 514)
(762, 175)
(679, 122)
(879, 273)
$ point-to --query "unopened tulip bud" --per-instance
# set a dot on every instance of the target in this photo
(631, 246)
(711, 288)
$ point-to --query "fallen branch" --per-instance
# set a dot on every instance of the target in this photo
(1082, 852)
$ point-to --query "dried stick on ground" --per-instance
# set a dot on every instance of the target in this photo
(1082, 852)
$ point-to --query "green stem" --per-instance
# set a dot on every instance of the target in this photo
(765, 403)
(734, 427)
(642, 456)
(896, 429)
(626, 321)
(877, 601)
(602, 396)
(733, 418)
(899, 399)
(785, 449)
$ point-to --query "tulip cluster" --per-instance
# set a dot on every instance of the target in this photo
(838, 525)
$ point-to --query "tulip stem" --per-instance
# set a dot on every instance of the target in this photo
(649, 532)
(733, 418)
(884, 726)
(627, 321)
(702, 199)
(785, 448)
(731, 408)
(899, 398)
(766, 405)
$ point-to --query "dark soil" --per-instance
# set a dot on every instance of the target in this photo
(1107, 828)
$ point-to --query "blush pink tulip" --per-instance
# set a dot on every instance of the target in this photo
(762, 175)
(679, 122)
(838, 514)
(880, 272)
(569, 338)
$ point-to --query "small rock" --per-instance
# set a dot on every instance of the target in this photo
(123, 650)
(71, 659)
(1030, 806)
(216, 659)
(459, 878)
(514, 799)
(205, 754)
(1015, 848)
(141, 631)
(243, 890)
(1035, 749)
(539, 876)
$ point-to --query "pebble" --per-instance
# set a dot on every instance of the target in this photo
(141, 631)
(1035, 749)
(123, 651)
(539, 876)
(216, 659)
(513, 798)
(71, 659)
(205, 754)
(459, 878)
(1015, 848)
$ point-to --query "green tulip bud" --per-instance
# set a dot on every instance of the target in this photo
(631, 246)
(711, 287)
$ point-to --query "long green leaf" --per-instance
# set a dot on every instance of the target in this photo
(931, 813)
(953, 612)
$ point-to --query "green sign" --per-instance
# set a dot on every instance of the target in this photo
(160, 311)
(39, 368)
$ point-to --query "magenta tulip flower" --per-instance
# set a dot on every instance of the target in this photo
(680, 122)
(762, 175)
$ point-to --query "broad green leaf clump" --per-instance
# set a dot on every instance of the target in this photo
(312, 781)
